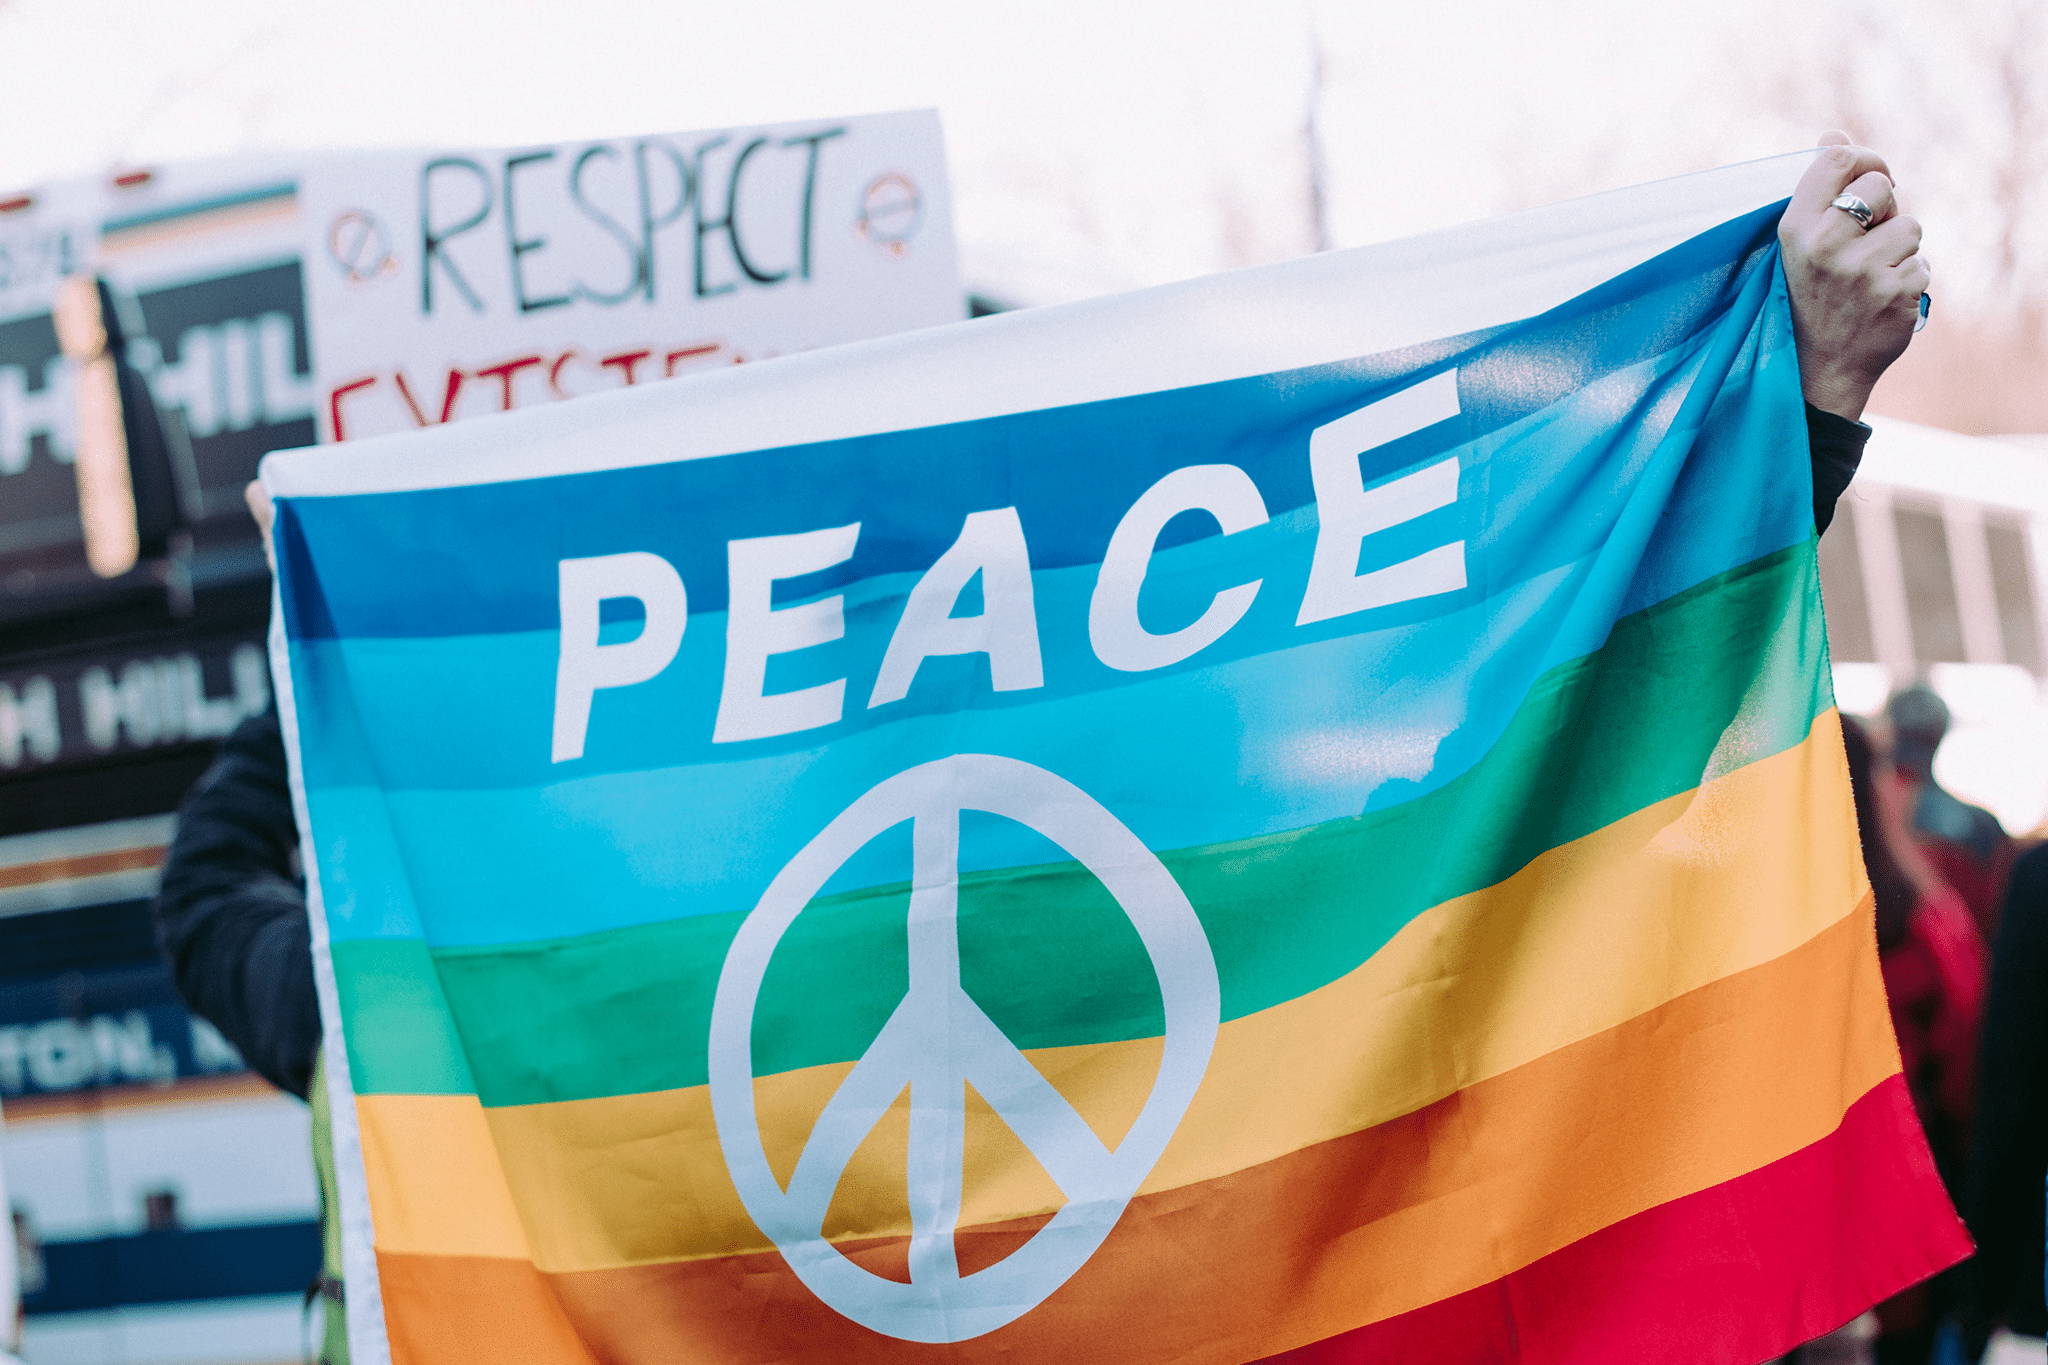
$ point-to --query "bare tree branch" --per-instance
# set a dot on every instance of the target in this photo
(1313, 152)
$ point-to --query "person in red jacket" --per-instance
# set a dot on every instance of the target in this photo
(1933, 961)
(1967, 846)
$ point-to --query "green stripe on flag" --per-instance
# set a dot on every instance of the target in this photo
(1728, 672)
(401, 1036)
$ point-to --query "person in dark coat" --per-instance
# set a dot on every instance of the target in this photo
(231, 909)
(2009, 1154)
(1933, 965)
(1968, 847)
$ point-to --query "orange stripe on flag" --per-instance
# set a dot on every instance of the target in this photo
(473, 1308)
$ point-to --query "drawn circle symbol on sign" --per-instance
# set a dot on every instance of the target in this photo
(938, 1040)
(361, 245)
(891, 212)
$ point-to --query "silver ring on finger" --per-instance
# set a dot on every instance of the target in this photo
(1855, 208)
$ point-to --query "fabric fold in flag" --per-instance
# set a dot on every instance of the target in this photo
(1298, 815)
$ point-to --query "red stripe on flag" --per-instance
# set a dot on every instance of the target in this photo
(1732, 1275)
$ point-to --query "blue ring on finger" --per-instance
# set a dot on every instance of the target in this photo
(1926, 304)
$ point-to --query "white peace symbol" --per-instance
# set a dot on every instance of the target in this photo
(938, 1039)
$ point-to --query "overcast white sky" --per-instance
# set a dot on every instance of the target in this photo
(1096, 144)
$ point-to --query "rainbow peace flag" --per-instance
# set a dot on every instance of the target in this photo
(1297, 815)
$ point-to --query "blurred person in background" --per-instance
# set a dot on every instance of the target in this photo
(1933, 963)
(1967, 846)
(231, 921)
(2009, 1153)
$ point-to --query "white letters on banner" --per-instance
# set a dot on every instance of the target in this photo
(1348, 512)
(585, 665)
(448, 285)
(1226, 493)
(991, 544)
(991, 548)
(754, 630)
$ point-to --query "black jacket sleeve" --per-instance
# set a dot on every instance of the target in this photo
(1835, 445)
(2009, 1155)
(231, 911)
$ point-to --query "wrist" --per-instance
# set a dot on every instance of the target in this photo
(1843, 395)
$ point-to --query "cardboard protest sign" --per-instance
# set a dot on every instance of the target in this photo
(1292, 813)
(449, 284)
